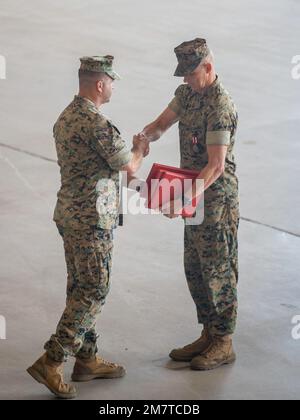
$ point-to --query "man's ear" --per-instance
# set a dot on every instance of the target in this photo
(208, 67)
(99, 85)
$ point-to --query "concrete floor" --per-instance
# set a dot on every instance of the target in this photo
(149, 310)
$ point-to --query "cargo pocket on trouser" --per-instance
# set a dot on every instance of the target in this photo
(193, 274)
(226, 322)
(92, 260)
(95, 269)
(102, 246)
(103, 241)
(213, 247)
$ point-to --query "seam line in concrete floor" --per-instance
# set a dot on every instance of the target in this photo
(36, 155)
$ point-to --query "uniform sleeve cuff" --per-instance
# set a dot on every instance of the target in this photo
(120, 159)
(218, 138)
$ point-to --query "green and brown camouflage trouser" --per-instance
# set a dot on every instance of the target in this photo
(211, 268)
(88, 257)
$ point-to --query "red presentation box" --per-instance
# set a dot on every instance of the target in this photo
(159, 192)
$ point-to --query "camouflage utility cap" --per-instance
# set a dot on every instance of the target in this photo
(189, 55)
(101, 64)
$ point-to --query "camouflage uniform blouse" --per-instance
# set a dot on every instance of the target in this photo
(90, 154)
(208, 118)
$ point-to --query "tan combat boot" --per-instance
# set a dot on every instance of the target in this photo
(94, 368)
(188, 352)
(219, 353)
(50, 374)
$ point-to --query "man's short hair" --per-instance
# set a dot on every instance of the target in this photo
(90, 76)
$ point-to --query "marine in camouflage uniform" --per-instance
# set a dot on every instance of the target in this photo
(90, 154)
(207, 117)
(210, 249)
